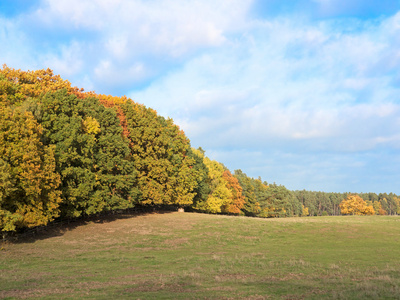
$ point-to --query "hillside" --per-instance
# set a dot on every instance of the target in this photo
(200, 256)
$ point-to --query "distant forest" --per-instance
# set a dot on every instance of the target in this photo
(67, 153)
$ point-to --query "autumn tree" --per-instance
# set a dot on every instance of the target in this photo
(355, 205)
(267, 200)
(397, 205)
(218, 190)
(28, 181)
(220, 194)
(237, 200)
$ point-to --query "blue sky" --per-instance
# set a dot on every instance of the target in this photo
(304, 93)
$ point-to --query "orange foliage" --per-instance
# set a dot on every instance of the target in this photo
(111, 101)
(237, 200)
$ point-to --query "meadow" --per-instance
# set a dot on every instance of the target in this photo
(175, 255)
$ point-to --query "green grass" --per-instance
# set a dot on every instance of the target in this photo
(199, 256)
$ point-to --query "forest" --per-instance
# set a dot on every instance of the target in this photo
(66, 153)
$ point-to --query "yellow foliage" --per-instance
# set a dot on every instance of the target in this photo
(28, 181)
(397, 201)
(34, 83)
(111, 99)
(221, 195)
(213, 205)
(91, 126)
(304, 211)
(355, 205)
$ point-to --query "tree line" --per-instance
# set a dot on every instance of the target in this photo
(66, 153)
(321, 203)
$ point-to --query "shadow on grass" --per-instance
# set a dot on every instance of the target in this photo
(60, 227)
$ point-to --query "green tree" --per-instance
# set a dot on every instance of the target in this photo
(203, 183)
(160, 154)
(92, 156)
(252, 191)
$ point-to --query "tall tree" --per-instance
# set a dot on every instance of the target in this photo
(160, 154)
(220, 194)
(28, 185)
(93, 157)
(252, 190)
(203, 183)
(237, 200)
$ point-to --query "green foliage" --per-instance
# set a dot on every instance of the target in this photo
(318, 202)
(267, 201)
(160, 155)
(252, 190)
(93, 157)
(203, 182)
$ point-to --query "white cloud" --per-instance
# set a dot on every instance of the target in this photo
(121, 43)
(68, 60)
(286, 83)
(13, 46)
(167, 27)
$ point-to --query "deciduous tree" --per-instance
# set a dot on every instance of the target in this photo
(28, 181)
(237, 200)
(355, 205)
(93, 157)
(160, 154)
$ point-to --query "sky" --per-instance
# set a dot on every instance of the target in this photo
(303, 93)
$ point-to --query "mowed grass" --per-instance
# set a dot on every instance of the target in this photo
(199, 256)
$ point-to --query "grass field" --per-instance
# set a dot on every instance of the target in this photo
(199, 256)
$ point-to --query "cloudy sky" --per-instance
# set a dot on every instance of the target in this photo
(304, 93)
